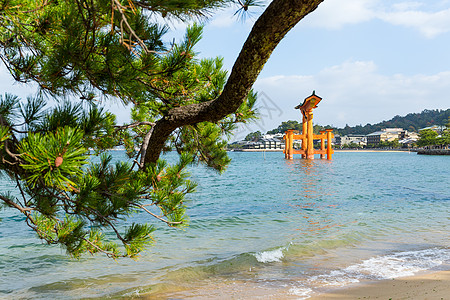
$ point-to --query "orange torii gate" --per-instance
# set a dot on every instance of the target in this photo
(307, 137)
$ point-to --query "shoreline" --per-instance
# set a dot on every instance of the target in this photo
(423, 286)
(435, 285)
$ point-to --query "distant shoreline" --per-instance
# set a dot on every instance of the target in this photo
(335, 150)
(373, 150)
(256, 150)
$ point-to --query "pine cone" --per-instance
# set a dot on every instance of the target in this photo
(58, 161)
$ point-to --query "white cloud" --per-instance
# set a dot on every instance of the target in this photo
(406, 5)
(430, 24)
(334, 14)
(354, 92)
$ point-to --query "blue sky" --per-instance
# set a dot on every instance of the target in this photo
(368, 59)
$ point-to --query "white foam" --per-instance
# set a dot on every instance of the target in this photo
(301, 291)
(391, 266)
(135, 293)
(270, 256)
(401, 264)
(335, 278)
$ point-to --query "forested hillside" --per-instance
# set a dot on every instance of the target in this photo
(410, 122)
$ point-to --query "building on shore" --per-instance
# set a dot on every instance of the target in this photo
(358, 139)
(272, 143)
(384, 135)
(404, 137)
(436, 128)
(277, 136)
(409, 139)
(264, 143)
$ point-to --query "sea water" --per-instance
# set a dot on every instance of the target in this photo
(266, 228)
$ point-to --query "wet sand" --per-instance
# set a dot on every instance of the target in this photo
(428, 286)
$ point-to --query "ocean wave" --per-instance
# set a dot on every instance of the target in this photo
(270, 256)
(401, 264)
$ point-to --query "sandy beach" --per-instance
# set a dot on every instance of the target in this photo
(430, 286)
(420, 287)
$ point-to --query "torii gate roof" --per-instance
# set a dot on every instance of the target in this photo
(309, 103)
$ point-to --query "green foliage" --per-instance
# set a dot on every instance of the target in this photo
(32, 111)
(8, 108)
(411, 122)
(91, 51)
(389, 144)
(445, 139)
(138, 237)
(103, 47)
(351, 145)
(427, 137)
(71, 202)
(253, 136)
(445, 136)
(53, 158)
(204, 143)
(286, 126)
(4, 135)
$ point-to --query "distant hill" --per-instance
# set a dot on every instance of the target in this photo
(410, 122)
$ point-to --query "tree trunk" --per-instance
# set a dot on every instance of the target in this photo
(270, 28)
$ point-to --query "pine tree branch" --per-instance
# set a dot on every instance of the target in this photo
(8, 162)
(135, 162)
(104, 219)
(144, 146)
(9, 202)
(7, 143)
(14, 156)
(18, 131)
(155, 215)
(136, 124)
(270, 28)
(109, 254)
(124, 20)
(20, 189)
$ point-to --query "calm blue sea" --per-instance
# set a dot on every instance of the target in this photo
(268, 227)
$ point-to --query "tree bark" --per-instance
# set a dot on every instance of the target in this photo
(270, 28)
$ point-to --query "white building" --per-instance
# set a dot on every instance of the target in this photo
(358, 139)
